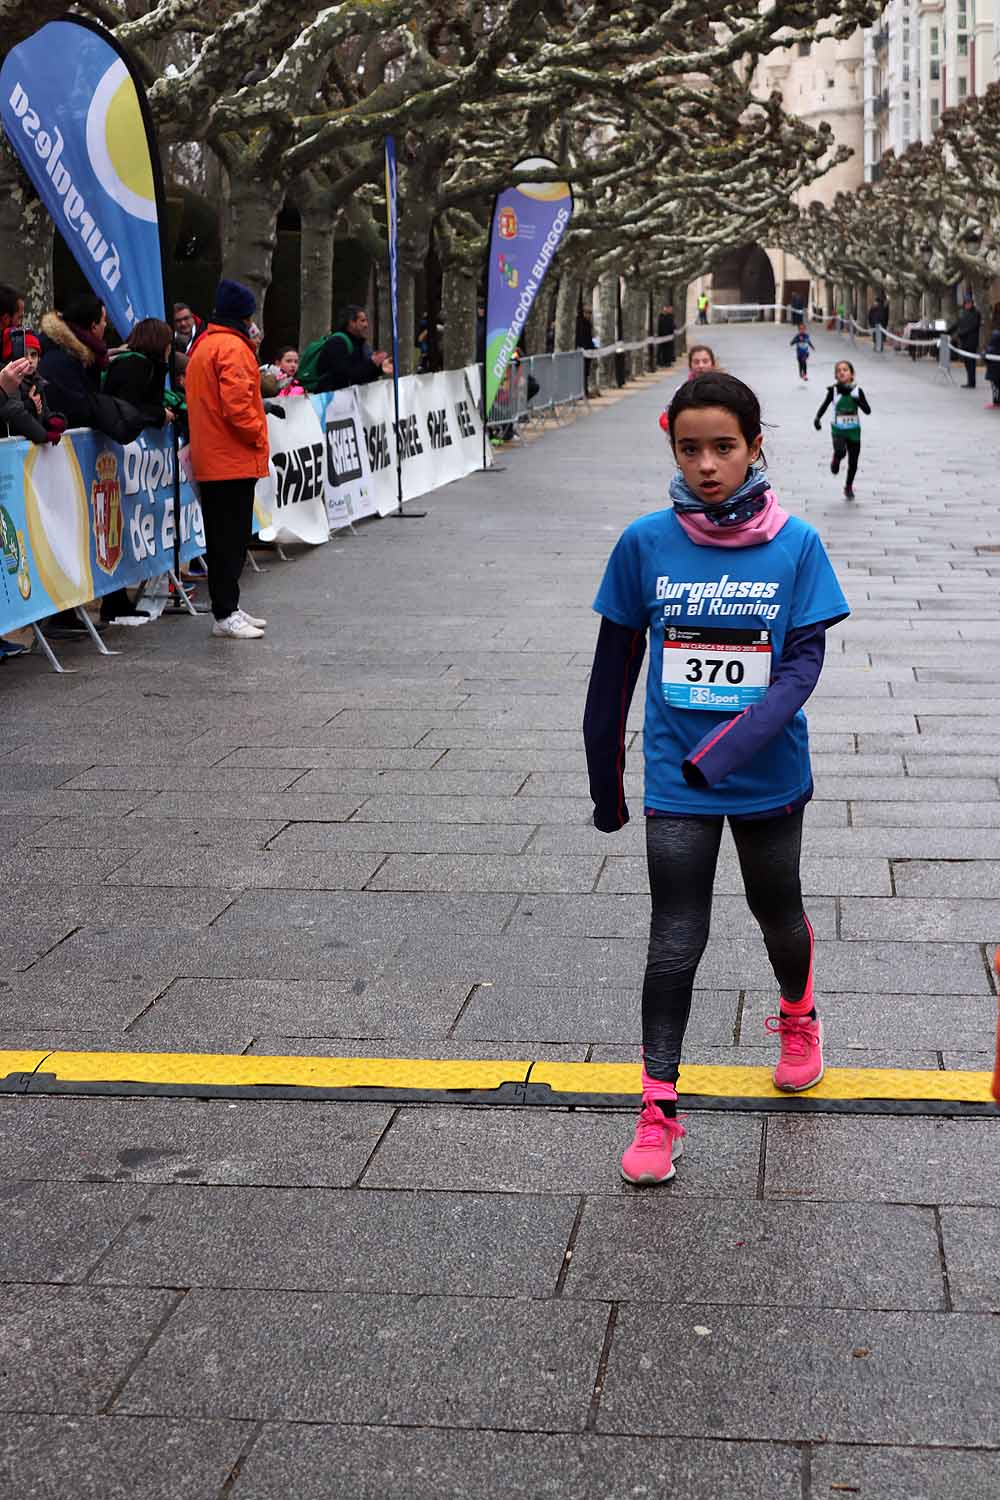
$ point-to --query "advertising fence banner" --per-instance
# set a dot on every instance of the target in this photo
(79, 123)
(291, 499)
(440, 433)
(529, 220)
(350, 493)
(87, 517)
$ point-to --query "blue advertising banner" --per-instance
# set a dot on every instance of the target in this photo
(528, 222)
(79, 124)
(86, 517)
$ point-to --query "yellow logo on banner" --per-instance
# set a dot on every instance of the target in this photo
(116, 144)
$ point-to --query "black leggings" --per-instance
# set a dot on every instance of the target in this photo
(845, 448)
(682, 854)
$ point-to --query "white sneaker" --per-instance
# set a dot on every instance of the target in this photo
(237, 628)
(251, 619)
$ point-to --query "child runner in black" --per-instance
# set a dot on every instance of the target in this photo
(846, 424)
(737, 597)
(802, 344)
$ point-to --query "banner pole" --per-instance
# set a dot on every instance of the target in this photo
(392, 227)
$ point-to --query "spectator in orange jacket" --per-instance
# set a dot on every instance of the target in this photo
(229, 449)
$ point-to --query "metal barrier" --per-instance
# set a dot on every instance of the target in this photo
(536, 386)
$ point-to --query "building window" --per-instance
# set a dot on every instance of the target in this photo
(935, 69)
(935, 112)
(805, 48)
(963, 87)
(963, 46)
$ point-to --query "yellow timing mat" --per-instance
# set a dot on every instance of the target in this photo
(520, 1081)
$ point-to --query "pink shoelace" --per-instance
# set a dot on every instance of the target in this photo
(795, 1040)
(651, 1125)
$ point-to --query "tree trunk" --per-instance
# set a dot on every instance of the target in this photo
(458, 309)
(607, 293)
(680, 297)
(316, 247)
(25, 239)
(567, 306)
(252, 231)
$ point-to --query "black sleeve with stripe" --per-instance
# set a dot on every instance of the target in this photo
(617, 664)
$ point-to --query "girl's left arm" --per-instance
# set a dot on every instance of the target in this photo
(724, 750)
(617, 664)
(863, 402)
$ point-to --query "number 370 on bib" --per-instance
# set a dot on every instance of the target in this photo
(723, 670)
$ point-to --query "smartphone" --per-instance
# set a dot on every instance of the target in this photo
(16, 336)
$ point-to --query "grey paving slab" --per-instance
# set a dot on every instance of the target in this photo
(877, 1160)
(372, 1462)
(160, 833)
(432, 783)
(403, 838)
(417, 809)
(923, 920)
(745, 1254)
(250, 779)
(251, 870)
(26, 944)
(518, 1151)
(117, 1458)
(863, 789)
(573, 962)
(821, 876)
(56, 1233)
(957, 879)
(236, 805)
(902, 1473)
(414, 1361)
(85, 903)
(627, 916)
(373, 918)
(420, 1244)
(972, 1254)
(34, 777)
(305, 757)
(67, 1348)
(874, 1018)
(178, 951)
(505, 1010)
(64, 1001)
(927, 814)
(233, 1143)
(852, 1382)
(55, 866)
(483, 872)
(367, 1004)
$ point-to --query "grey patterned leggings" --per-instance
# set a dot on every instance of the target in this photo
(682, 854)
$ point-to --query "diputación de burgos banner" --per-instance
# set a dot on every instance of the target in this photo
(529, 220)
(87, 517)
(79, 124)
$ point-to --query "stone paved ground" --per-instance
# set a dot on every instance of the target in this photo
(369, 834)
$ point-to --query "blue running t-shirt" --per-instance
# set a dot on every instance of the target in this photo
(717, 620)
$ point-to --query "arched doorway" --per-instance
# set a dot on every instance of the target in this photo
(744, 275)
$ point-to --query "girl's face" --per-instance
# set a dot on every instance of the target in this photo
(712, 452)
(701, 362)
(33, 356)
(289, 362)
(842, 373)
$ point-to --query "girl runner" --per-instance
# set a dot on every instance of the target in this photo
(736, 596)
(803, 344)
(846, 425)
(701, 359)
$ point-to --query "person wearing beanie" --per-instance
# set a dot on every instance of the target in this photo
(27, 413)
(229, 449)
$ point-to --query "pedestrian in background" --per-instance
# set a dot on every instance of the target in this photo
(847, 399)
(229, 449)
(665, 329)
(803, 346)
(966, 329)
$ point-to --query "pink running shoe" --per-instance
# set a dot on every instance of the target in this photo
(656, 1144)
(801, 1043)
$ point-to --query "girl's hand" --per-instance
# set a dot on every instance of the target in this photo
(11, 375)
(818, 424)
(36, 397)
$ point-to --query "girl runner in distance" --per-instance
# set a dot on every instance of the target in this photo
(701, 359)
(849, 399)
(736, 596)
(803, 345)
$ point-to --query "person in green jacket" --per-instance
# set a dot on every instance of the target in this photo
(848, 400)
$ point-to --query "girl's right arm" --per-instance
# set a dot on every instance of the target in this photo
(819, 415)
(617, 664)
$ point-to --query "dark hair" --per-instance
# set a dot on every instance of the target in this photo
(182, 307)
(9, 299)
(283, 350)
(716, 388)
(701, 349)
(150, 336)
(846, 362)
(83, 309)
(347, 315)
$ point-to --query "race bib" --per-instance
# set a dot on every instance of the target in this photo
(724, 670)
(846, 419)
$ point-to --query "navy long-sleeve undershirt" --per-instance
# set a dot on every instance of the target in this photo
(723, 750)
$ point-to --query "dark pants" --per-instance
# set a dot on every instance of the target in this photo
(703, 315)
(227, 507)
(665, 354)
(803, 360)
(969, 361)
(682, 855)
(846, 448)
